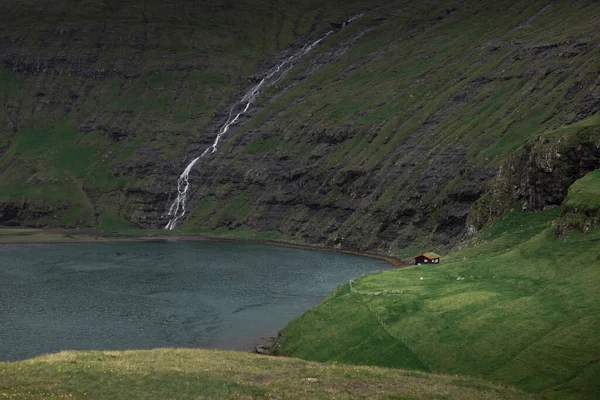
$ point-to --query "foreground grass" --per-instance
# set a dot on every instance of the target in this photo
(206, 374)
(519, 306)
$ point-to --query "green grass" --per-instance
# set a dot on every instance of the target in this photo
(206, 374)
(581, 209)
(111, 222)
(362, 340)
(526, 312)
(239, 233)
(50, 166)
(260, 145)
(585, 192)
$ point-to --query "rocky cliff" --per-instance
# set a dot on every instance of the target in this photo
(381, 139)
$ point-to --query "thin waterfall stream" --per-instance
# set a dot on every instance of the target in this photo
(178, 208)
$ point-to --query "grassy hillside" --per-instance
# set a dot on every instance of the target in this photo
(380, 139)
(518, 306)
(100, 102)
(205, 374)
(400, 121)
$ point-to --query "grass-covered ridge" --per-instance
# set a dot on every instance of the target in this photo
(205, 374)
(518, 306)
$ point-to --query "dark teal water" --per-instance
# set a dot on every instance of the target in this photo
(148, 295)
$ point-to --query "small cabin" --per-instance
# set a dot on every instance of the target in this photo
(427, 258)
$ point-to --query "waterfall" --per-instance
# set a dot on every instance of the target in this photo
(177, 209)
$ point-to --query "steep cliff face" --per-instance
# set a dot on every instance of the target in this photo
(386, 137)
(539, 175)
(382, 138)
(100, 101)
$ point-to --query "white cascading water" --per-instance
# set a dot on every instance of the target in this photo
(177, 209)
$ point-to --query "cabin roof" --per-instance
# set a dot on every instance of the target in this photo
(429, 255)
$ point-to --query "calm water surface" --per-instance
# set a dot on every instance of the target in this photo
(146, 295)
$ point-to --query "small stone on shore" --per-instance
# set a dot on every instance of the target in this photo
(262, 350)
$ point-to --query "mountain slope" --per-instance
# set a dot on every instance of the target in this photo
(381, 140)
(101, 99)
(388, 142)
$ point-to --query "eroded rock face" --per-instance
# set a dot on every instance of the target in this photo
(339, 206)
(12, 214)
(536, 177)
(9, 213)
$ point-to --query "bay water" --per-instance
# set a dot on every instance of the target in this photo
(117, 296)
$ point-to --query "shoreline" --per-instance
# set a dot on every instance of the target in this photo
(25, 236)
